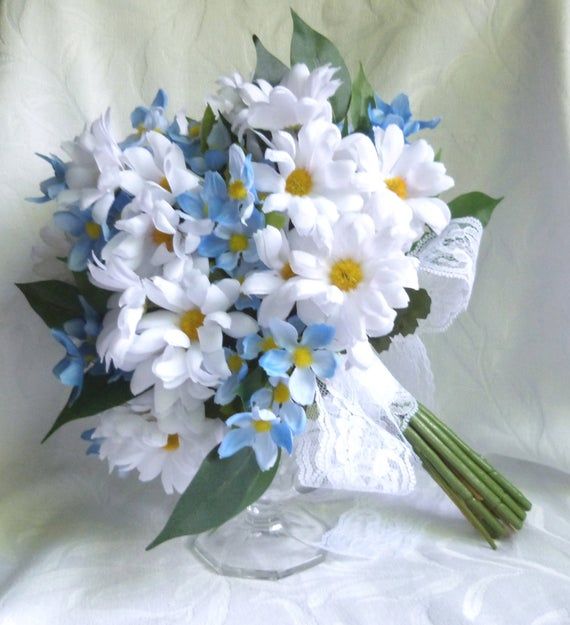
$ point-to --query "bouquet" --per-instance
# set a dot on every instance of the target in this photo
(223, 288)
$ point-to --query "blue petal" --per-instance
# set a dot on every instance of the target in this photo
(239, 418)
(302, 386)
(192, 204)
(295, 417)
(227, 390)
(212, 246)
(250, 346)
(80, 253)
(69, 371)
(138, 116)
(227, 261)
(160, 99)
(263, 398)
(401, 106)
(75, 328)
(282, 436)
(318, 335)
(284, 333)
(235, 440)
(276, 362)
(324, 363)
(69, 222)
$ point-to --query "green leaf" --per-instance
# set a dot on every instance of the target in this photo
(437, 157)
(252, 382)
(97, 395)
(54, 301)
(268, 67)
(406, 321)
(220, 489)
(93, 294)
(310, 47)
(206, 127)
(277, 219)
(362, 96)
(474, 204)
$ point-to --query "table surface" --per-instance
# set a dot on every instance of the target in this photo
(72, 538)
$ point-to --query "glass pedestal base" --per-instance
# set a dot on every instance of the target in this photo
(262, 544)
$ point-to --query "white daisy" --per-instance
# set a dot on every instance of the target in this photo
(356, 284)
(184, 339)
(154, 233)
(130, 441)
(411, 176)
(311, 183)
(93, 175)
(161, 169)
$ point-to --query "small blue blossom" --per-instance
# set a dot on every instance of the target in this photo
(146, 118)
(78, 338)
(95, 443)
(88, 236)
(259, 429)
(398, 112)
(241, 187)
(70, 369)
(307, 357)
(212, 201)
(230, 243)
(228, 389)
(53, 186)
(250, 346)
(278, 400)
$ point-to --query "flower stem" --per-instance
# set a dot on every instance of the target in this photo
(487, 499)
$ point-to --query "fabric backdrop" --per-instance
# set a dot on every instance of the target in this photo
(497, 71)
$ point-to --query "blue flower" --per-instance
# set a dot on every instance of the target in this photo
(398, 112)
(51, 187)
(240, 186)
(261, 430)
(78, 338)
(278, 400)
(145, 118)
(88, 236)
(250, 346)
(70, 369)
(210, 202)
(227, 390)
(307, 357)
(95, 443)
(230, 243)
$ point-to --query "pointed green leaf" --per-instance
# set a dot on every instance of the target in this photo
(268, 67)
(310, 47)
(220, 489)
(474, 204)
(53, 300)
(362, 97)
(206, 127)
(97, 395)
(437, 157)
(95, 296)
(406, 321)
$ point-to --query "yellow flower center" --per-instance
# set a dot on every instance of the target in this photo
(398, 186)
(237, 190)
(93, 230)
(299, 182)
(238, 243)
(190, 321)
(268, 343)
(346, 274)
(194, 131)
(302, 357)
(172, 443)
(165, 184)
(286, 272)
(281, 393)
(159, 237)
(261, 426)
(234, 363)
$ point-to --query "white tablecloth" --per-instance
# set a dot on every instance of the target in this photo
(72, 539)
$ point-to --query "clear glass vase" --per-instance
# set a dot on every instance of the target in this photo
(271, 539)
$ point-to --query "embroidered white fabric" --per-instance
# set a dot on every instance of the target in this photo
(447, 270)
